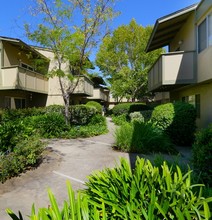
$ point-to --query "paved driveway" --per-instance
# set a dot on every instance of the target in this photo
(70, 160)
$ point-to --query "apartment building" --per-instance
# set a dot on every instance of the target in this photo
(185, 72)
(22, 75)
(23, 81)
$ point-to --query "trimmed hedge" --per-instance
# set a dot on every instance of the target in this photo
(14, 114)
(202, 155)
(96, 105)
(178, 120)
(127, 108)
(81, 114)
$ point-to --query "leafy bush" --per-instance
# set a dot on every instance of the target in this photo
(97, 120)
(127, 108)
(10, 134)
(96, 105)
(96, 127)
(15, 114)
(202, 155)
(120, 193)
(26, 153)
(55, 108)
(146, 193)
(142, 138)
(81, 114)
(177, 120)
(119, 119)
(147, 114)
(49, 125)
(136, 116)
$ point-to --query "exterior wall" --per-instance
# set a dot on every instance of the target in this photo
(204, 58)
(54, 93)
(185, 38)
(205, 92)
(162, 97)
(84, 87)
(31, 99)
(14, 55)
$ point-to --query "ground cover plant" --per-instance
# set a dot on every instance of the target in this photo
(146, 192)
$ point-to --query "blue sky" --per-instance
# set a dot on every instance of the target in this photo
(14, 13)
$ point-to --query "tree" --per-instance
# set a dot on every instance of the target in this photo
(122, 59)
(71, 29)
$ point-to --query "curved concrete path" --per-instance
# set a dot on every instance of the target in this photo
(72, 159)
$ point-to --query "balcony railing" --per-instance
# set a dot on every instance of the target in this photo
(99, 94)
(172, 70)
(84, 87)
(16, 77)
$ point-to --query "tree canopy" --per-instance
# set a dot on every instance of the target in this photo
(123, 60)
(71, 29)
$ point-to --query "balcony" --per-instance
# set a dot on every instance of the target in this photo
(171, 71)
(84, 87)
(99, 94)
(16, 77)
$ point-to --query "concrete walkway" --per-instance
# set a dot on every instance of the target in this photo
(72, 160)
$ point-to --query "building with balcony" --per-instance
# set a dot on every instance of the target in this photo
(185, 72)
(100, 91)
(81, 85)
(22, 80)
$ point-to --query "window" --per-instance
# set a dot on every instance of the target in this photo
(205, 33)
(202, 37)
(210, 30)
(19, 103)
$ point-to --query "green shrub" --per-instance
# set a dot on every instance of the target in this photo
(142, 138)
(97, 120)
(136, 116)
(202, 155)
(11, 132)
(127, 108)
(55, 108)
(146, 193)
(119, 119)
(49, 125)
(26, 153)
(96, 127)
(96, 105)
(81, 114)
(16, 114)
(177, 120)
(147, 114)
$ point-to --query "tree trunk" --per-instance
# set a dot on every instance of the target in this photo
(67, 115)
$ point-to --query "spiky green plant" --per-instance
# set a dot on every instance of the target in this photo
(147, 192)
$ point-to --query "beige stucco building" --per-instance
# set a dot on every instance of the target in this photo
(185, 72)
(24, 82)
